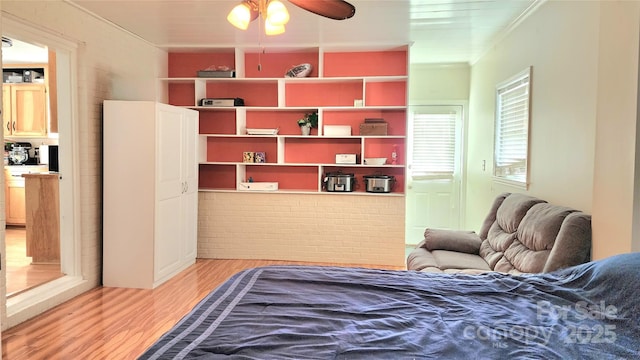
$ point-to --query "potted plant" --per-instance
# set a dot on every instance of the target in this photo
(310, 120)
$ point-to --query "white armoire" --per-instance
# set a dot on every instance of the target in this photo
(150, 192)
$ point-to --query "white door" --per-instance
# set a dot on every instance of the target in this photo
(169, 191)
(189, 222)
(434, 177)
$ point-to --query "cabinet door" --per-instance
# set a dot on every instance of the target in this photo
(28, 104)
(169, 189)
(189, 222)
(15, 207)
(6, 108)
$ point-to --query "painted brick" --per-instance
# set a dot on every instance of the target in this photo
(345, 228)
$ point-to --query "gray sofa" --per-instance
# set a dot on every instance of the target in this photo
(521, 234)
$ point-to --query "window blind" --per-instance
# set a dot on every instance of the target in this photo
(434, 137)
(512, 127)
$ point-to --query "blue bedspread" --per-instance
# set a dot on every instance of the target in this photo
(591, 311)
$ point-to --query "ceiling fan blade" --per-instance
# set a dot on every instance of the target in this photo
(332, 9)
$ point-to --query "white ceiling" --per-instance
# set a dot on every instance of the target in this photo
(21, 52)
(440, 31)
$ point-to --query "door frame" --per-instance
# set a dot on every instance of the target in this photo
(70, 246)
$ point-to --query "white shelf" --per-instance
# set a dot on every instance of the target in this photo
(325, 79)
(235, 163)
(294, 108)
(308, 192)
(310, 137)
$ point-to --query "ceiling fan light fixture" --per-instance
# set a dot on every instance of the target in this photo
(240, 16)
(277, 13)
(6, 42)
(273, 29)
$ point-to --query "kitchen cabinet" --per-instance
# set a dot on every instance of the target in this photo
(25, 110)
(344, 88)
(42, 217)
(15, 200)
(49, 101)
(15, 207)
(150, 192)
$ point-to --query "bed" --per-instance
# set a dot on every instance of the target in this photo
(589, 311)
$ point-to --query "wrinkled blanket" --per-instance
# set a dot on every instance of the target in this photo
(590, 311)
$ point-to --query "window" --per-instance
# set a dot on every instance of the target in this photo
(511, 148)
(434, 142)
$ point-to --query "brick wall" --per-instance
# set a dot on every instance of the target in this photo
(342, 228)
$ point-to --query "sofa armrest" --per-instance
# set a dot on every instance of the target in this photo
(452, 240)
(573, 243)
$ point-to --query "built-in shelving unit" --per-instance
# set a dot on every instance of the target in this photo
(344, 88)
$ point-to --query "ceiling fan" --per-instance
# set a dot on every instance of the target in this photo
(275, 14)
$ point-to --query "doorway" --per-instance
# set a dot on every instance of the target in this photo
(62, 106)
(30, 126)
(434, 182)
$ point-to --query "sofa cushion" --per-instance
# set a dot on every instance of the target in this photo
(573, 243)
(498, 239)
(521, 258)
(491, 216)
(536, 236)
(513, 209)
(461, 241)
(539, 228)
(490, 256)
(456, 260)
(503, 232)
(420, 258)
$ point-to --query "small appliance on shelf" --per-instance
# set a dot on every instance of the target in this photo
(19, 153)
(222, 102)
(339, 182)
(379, 183)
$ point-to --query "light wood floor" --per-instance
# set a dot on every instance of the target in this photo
(118, 323)
(21, 274)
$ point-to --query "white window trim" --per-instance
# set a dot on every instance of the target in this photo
(505, 180)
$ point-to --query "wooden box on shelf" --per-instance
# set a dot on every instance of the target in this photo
(373, 127)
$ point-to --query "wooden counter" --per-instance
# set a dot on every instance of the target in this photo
(42, 202)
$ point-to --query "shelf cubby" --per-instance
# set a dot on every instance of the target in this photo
(299, 178)
(319, 150)
(231, 149)
(217, 176)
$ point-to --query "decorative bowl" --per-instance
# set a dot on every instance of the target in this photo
(375, 161)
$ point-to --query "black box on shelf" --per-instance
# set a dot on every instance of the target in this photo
(222, 102)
